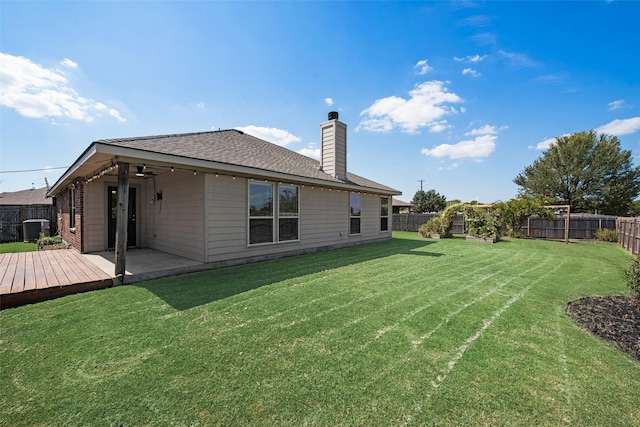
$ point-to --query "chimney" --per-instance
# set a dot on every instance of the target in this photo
(333, 137)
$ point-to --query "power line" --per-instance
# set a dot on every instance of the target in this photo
(36, 170)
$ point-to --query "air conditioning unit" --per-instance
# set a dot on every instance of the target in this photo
(33, 227)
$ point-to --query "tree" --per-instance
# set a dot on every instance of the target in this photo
(587, 171)
(430, 201)
(419, 202)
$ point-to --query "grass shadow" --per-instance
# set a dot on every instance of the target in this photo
(194, 289)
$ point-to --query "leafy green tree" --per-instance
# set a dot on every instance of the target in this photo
(634, 210)
(515, 212)
(435, 201)
(419, 202)
(587, 171)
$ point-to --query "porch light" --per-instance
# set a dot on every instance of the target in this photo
(140, 172)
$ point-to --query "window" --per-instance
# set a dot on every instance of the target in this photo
(72, 209)
(260, 213)
(264, 215)
(355, 208)
(288, 213)
(384, 214)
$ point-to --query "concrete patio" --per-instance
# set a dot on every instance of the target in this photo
(145, 264)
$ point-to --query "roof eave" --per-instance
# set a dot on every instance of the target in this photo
(132, 155)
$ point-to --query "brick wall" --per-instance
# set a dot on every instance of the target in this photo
(71, 235)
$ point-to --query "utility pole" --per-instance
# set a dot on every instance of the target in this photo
(421, 181)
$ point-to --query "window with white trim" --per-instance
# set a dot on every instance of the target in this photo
(72, 209)
(355, 211)
(260, 213)
(384, 214)
(271, 222)
(288, 212)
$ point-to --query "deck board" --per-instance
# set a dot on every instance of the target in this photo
(69, 273)
(29, 272)
(18, 278)
(6, 271)
(30, 277)
(42, 282)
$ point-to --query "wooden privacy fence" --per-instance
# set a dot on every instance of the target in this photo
(581, 226)
(12, 218)
(629, 234)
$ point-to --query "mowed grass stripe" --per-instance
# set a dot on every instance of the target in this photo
(506, 280)
(382, 284)
(344, 356)
(153, 354)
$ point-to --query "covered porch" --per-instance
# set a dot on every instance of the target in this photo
(30, 277)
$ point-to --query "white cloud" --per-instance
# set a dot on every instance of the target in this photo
(200, 105)
(422, 67)
(428, 103)
(485, 39)
(35, 91)
(517, 60)
(552, 79)
(471, 58)
(484, 130)
(471, 72)
(328, 101)
(450, 167)
(476, 21)
(276, 136)
(66, 62)
(544, 145)
(614, 105)
(621, 127)
(480, 146)
(311, 151)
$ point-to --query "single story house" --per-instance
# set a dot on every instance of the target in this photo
(221, 197)
(401, 207)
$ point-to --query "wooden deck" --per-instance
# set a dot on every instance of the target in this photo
(29, 277)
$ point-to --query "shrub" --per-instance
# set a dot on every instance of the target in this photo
(607, 235)
(430, 227)
(633, 277)
(46, 240)
(482, 222)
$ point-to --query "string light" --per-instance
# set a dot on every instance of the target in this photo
(114, 165)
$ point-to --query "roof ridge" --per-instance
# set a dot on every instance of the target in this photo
(169, 135)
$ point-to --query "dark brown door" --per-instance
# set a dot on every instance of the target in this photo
(112, 204)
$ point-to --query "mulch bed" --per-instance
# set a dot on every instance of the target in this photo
(614, 319)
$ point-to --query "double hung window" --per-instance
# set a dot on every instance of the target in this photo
(355, 211)
(273, 219)
(72, 209)
(384, 214)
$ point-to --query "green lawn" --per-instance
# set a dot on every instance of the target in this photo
(406, 332)
(14, 247)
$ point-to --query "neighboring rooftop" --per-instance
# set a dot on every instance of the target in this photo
(36, 196)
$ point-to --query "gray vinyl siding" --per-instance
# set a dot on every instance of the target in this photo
(95, 217)
(333, 136)
(177, 221)
(324, 221)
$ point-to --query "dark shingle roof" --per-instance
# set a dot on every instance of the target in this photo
(37, 196)
(234, 147)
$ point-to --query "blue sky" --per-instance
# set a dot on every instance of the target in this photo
(461, 95)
